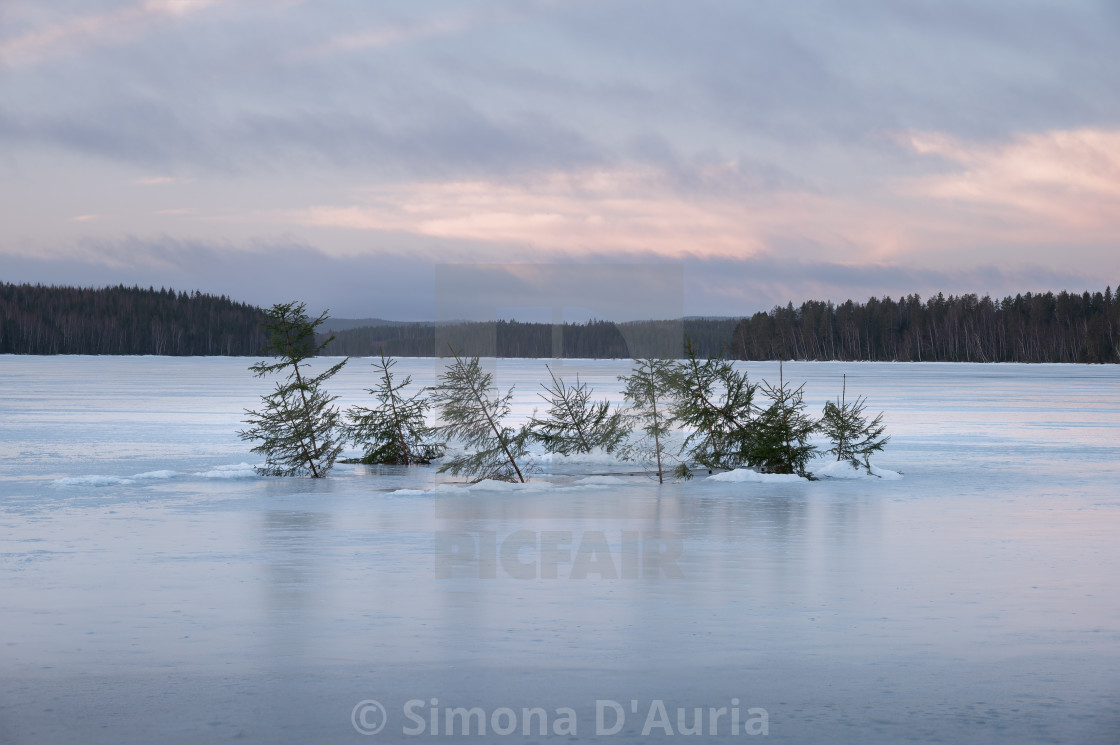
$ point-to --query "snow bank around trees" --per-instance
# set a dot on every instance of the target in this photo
(238, 471)
(829, 469)
(844, 470)
(744, 475)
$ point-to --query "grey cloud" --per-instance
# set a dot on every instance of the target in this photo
(716, 97)
(751, 285)
(398, 284)
(266, 273)
(567, 85)
(817, 70)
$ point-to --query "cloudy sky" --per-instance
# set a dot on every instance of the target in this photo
(355, 154)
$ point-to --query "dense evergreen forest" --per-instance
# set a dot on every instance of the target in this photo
(38, 319)
(1045, 327)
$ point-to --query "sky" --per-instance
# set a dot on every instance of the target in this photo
(721, 156)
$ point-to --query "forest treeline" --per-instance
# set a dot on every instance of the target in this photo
(1044, 327)
(592, 340)
(38, 319)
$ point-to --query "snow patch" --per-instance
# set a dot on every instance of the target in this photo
(156, 475)
(238, 471)
(741, 475)
(92, 480)
(844, 470)
(885, 474)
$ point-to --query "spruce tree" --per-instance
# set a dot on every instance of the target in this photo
(396, 430)
(574, 423)
(473, 413)
(853, 437)
(781, 443)
(716, 402)
(297, 427)
(648, 392)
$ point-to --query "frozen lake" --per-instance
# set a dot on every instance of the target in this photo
(153, 590)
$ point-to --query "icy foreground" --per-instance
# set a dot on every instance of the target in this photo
(155, 590)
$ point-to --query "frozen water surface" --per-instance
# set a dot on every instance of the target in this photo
(154, 590)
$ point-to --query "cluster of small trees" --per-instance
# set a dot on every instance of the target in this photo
(730, 421)
(734, 423)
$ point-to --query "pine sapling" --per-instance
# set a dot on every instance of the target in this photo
(298, 428)
(574, 423)
(396, 430)
(473, 413)
(648, 392)
(783, 429)
(853, 437)
(716, 402)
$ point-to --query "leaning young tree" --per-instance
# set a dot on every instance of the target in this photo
(716, 402)
(472, 412)
(297, 427)
(395, 431)
(648, 392)
(574, 423)
(781, 443)
(853, 437)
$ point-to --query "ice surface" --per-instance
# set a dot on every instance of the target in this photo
(154, 589)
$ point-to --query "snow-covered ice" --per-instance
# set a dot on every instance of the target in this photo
(155, 589)
(746, 475)
(833, 469)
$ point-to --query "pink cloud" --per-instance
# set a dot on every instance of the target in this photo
(450, 25)
(996, 202)
(627, 211)
(630, 211)
(77, 34)
(1060, 185)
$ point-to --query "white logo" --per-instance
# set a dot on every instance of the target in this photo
(369, 717)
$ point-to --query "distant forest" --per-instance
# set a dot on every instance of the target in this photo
(37, 319)
(595, 339)
(1026, 328)
(1044, 327)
